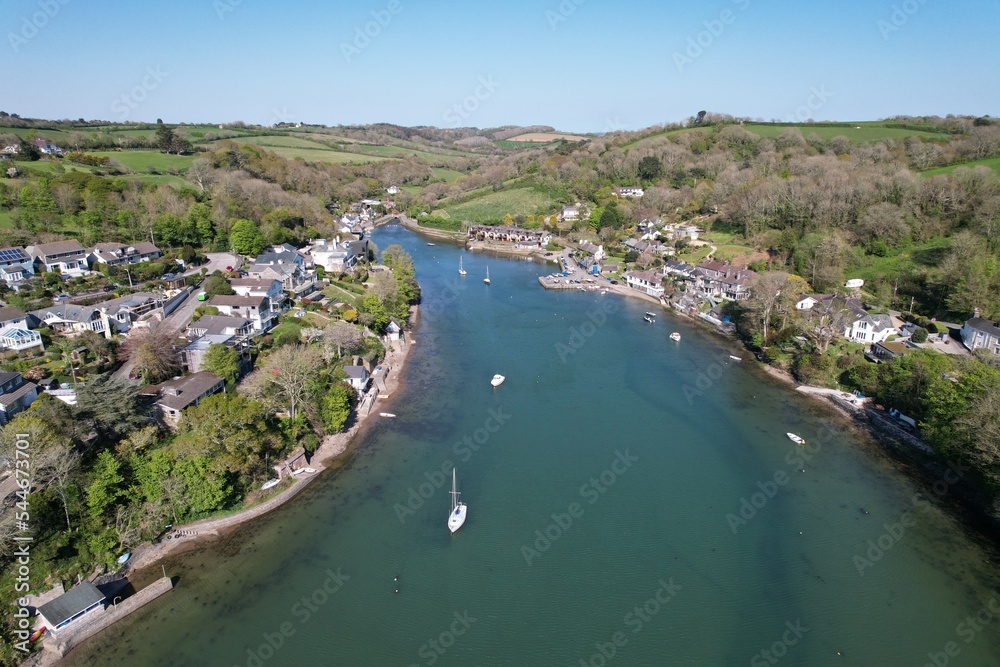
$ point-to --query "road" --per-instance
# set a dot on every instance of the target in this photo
(175, 323)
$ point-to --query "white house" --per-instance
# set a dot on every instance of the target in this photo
(596, 250)
(357, 377)
(649, 282)
(628, 191)
(393, 330)
(116, 254)
(16, 266)
(864, 327)
(570, 213)
(392, 190)
(14, 332)
(979, 332)
(67, 257)
(272, 289)
(257, 309)
(333, 256)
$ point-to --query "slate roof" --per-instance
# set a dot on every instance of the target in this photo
(69, 604)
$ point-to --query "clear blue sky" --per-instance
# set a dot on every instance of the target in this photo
(578, 65)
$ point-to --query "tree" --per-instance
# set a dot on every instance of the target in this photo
(650, 168)
(164, 138)
(233, 430)
(611, 217)
(152, 351)
(340, 338)
(216, 285)
(765, 295)
(223, 361)
(105, 489)
(336, 407)
(919, 335)
(113, 407)
(245, 238)
(285, 376)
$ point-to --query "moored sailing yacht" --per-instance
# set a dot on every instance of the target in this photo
(458, 509)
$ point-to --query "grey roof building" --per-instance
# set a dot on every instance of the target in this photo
(71, 605)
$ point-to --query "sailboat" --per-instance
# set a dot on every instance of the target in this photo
(458, 510)
(461, 271)
(487, 278)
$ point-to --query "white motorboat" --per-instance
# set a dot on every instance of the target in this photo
(387, 415)
(461, 271)
(675, 336)
(648, 318)
(430, 244)
(497, 380)
(487, 278)
(796, 439)
(459, 510)
(649, 314)
(735, 358)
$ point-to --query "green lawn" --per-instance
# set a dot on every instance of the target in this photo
(492, 208)
(6, 221)
(729, 252)
(991, 162)
(696, 255)
(142, 161)
(905, 261)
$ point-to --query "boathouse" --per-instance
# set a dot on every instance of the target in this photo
(69, 606)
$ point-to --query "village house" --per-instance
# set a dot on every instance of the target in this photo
(16, 394)
(865, 327)
(649, 282)
(117, 254)
(980, 333)
(597, 251)
(521, 238)
(392, 190)
(569, 213)
(257, 309)
(16, 266)
(886, 351)
(628, 191)
(357, 377)
(193, 354)
(333, 256)
(393, 330)
(723, 281)
(72, 320)
(173, 396)
(46, 147)
(219, 324)
(272, 289)
(15, 334)
(67, 257)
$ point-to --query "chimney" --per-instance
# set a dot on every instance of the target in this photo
(975, 313)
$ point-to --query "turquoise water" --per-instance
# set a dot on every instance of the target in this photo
(605, 481)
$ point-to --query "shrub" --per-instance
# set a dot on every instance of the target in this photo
(919, 335)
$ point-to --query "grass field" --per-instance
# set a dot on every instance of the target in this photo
(991, 162)
(511, 144)
(495, 205)
(280, 141)
(142, 161)
(447, 175)
(859, 133)
(727, 253)
(928, 254)
(546, 137)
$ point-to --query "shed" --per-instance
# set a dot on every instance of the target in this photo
(71, 605)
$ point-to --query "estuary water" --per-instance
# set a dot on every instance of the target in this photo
(632, 501)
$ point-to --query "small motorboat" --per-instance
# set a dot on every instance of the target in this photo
(649, 314)
(735, 358)
(430, 244)
(675, 337)
(648, 318)
(796, 439)
(387, 415)
(270, 484)
(497, 380)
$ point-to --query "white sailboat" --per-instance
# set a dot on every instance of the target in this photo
(461, 271)
(487, 278)
(458, 509)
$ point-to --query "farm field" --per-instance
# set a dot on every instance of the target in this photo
(546, 137)
(859, 133)
(282, 141)
(447, 175)
(991, 162)
(143, 161)
(492, 208)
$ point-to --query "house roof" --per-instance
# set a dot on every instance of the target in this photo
(6, 377)
(262, 283)
(236, 300)
(356, 372)
(648, 276)
(8, 313)
(182, 392)
(15, 254)
(984, 325)
(116, 250)
(80, 598)
(66, 311)
(14, 394)
(217, 324)
(58, 247)
(894, 347)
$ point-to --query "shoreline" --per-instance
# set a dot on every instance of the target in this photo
(332, 449)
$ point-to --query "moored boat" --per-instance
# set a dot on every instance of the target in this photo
(459, 510)
(497, 380)
(796, 439)
(675, 336)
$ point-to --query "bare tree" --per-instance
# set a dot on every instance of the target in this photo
(340, 338)
(285, 376)
(765, 296)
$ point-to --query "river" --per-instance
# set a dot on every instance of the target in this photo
(632, 501)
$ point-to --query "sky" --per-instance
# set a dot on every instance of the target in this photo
(576, 65)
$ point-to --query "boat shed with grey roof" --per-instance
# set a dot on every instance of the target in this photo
(71, 605)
